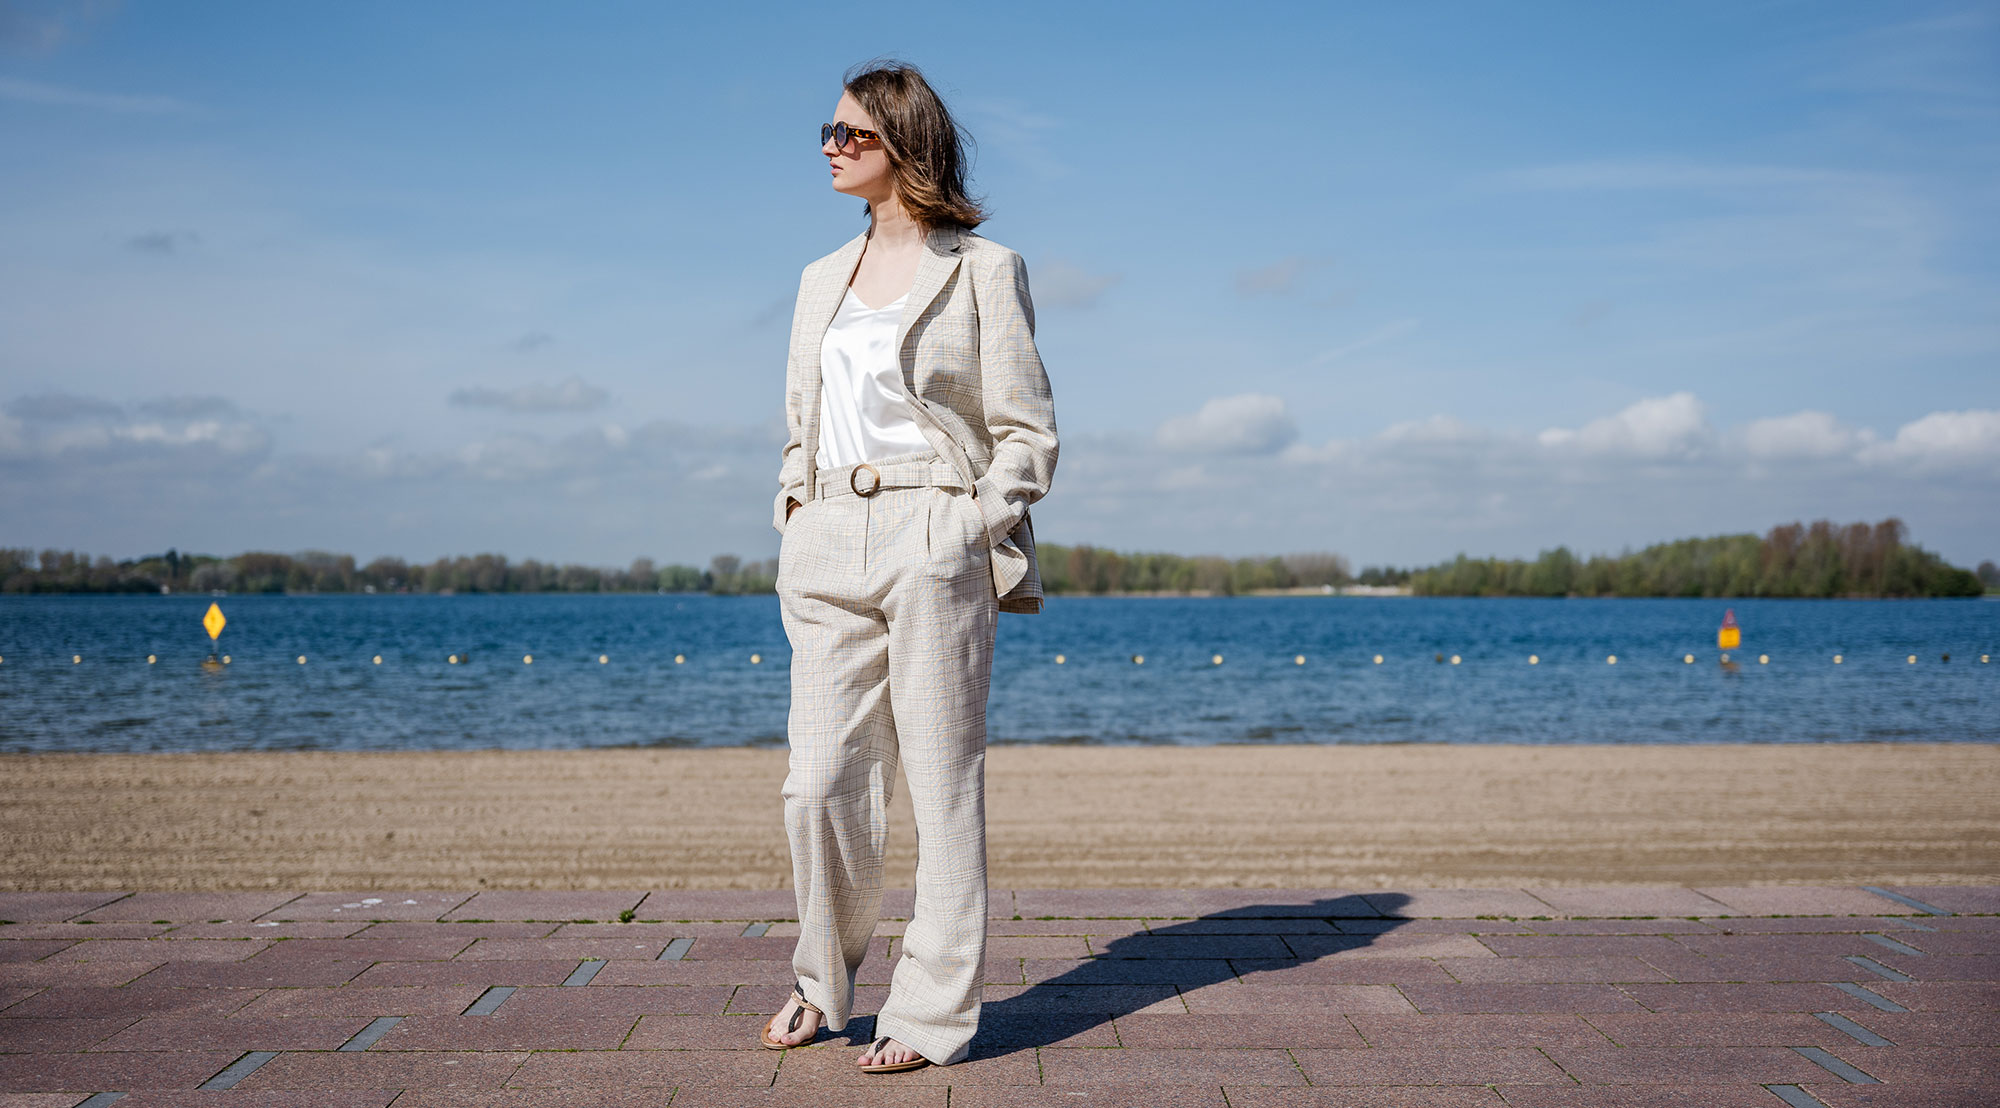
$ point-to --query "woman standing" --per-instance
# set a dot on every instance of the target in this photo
(921, 429)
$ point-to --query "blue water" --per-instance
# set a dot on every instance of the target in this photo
(415, 699)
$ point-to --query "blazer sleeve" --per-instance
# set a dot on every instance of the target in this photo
(1020, 410)
(792, 459)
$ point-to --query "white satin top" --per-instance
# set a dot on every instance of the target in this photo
(864, 413)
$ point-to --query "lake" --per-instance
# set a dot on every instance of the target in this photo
(340, 699)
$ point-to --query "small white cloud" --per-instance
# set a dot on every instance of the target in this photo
(1808, 434)
(1248, 423)
(1943, 439)
(1656, 427)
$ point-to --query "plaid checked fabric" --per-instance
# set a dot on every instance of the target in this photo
(978, 389)
(889, 605)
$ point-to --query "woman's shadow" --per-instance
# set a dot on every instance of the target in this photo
(1169, 960)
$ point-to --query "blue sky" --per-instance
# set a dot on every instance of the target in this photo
(1397, 283)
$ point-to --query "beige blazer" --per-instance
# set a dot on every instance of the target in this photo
(970, 367)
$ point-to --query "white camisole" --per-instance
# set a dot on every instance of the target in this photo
(863, 412)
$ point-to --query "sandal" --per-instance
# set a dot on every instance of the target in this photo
(798, 1014)
(918, 1062)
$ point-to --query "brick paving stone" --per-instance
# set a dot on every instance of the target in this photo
(254, 929)
(1966, 899)
(1948, 942)
(1946, 1064)
(1751, 946)
(1341, 971)
(482, 972)
(51, 907)
(73, 974)
(369, 1069)
(761, 971)
(1574, 997)
(1094, 1096)
(1473, 1031)
(1384, 946)
(1923, 1095)
(94, 1071)
(1191, 973)
(648, 932)
(720, 904)
(1098, 930)
(1798, 996)
(1037, 946)
(1763, 968)
(1718, 1029)
(181, 1032)
(1942, 967)
(1939, 996)
(127, 930)
(30, 950)
(834, 1065)
(1105, 903)
(255, 1098)
(1036, 1029)
(659, 1068)
(1590, 968)
(428, 905)
(361, 1001)
(1440, 926)
(1436, 1096)
(628, 1000)
(1577, 946)
(607, 948)
(536, 904)
(39, 1036)
(192, 907)
(763, 946)
(691, 1096)
(89, 1001)
(12, 996)
(1430, 1066)
(256, 974)
(1456, 903)
(1934, 1028)
(1279, 903)
(497, 929)
(1626, 900)
(1667, 1065)
(731, 1032)
(1957, 923)
(1112, 1000)
(1207, 1066)
(1246, 925)
(421, 948)
(1802, 900)
(1662, 926)
(1247, 1029)
(1640, 1096)
(511, 1029)
(1251, 997)
(158, 950)
(1787, 925)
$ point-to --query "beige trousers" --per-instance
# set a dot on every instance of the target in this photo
(888, 602)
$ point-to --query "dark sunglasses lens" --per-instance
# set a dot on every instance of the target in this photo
(840, 135)
(825, 132)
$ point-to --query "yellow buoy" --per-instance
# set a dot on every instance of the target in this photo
(603, 659)
(1059, 659)
(1216, 659)
(212, 621)
(1730, 636)
(1688, 659)
(1454, 659)
(77, 659)
(1836, 659)
(1298, 659)
(527, 659)
(1534, 659)
(756, 659)
(302, 659)
(1763, 659)
(378, 659)
(453, 659)
(1611, 659)
(679, 658)
(1378, 659)
(1913, 659)
(151, 658)
(225, 659)
(1138, 659)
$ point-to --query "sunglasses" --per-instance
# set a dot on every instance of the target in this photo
(840, 132)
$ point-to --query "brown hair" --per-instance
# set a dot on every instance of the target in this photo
(926, 146)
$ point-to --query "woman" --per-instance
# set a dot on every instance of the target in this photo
(921, 429)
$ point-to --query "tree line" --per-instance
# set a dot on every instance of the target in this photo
(1792, 560)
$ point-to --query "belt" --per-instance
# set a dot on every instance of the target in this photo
(865, 479)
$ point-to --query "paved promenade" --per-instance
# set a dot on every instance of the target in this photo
(1622, 997)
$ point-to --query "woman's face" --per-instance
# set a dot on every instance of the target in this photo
(861, 168)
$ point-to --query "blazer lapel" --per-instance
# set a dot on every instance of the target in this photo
(934, 267)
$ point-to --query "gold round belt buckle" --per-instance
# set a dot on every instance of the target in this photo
(872, 489)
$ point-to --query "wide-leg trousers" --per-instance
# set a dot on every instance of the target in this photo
(889, 604)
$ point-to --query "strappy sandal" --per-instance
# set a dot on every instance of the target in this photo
(916, 1063)
(798, 1014)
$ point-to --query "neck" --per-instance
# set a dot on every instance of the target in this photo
(891, 225)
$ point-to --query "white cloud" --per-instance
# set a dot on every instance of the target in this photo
(1807, 434)
(1656, 427)
(1942, 439)
(1248, 423)
(572, 395)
